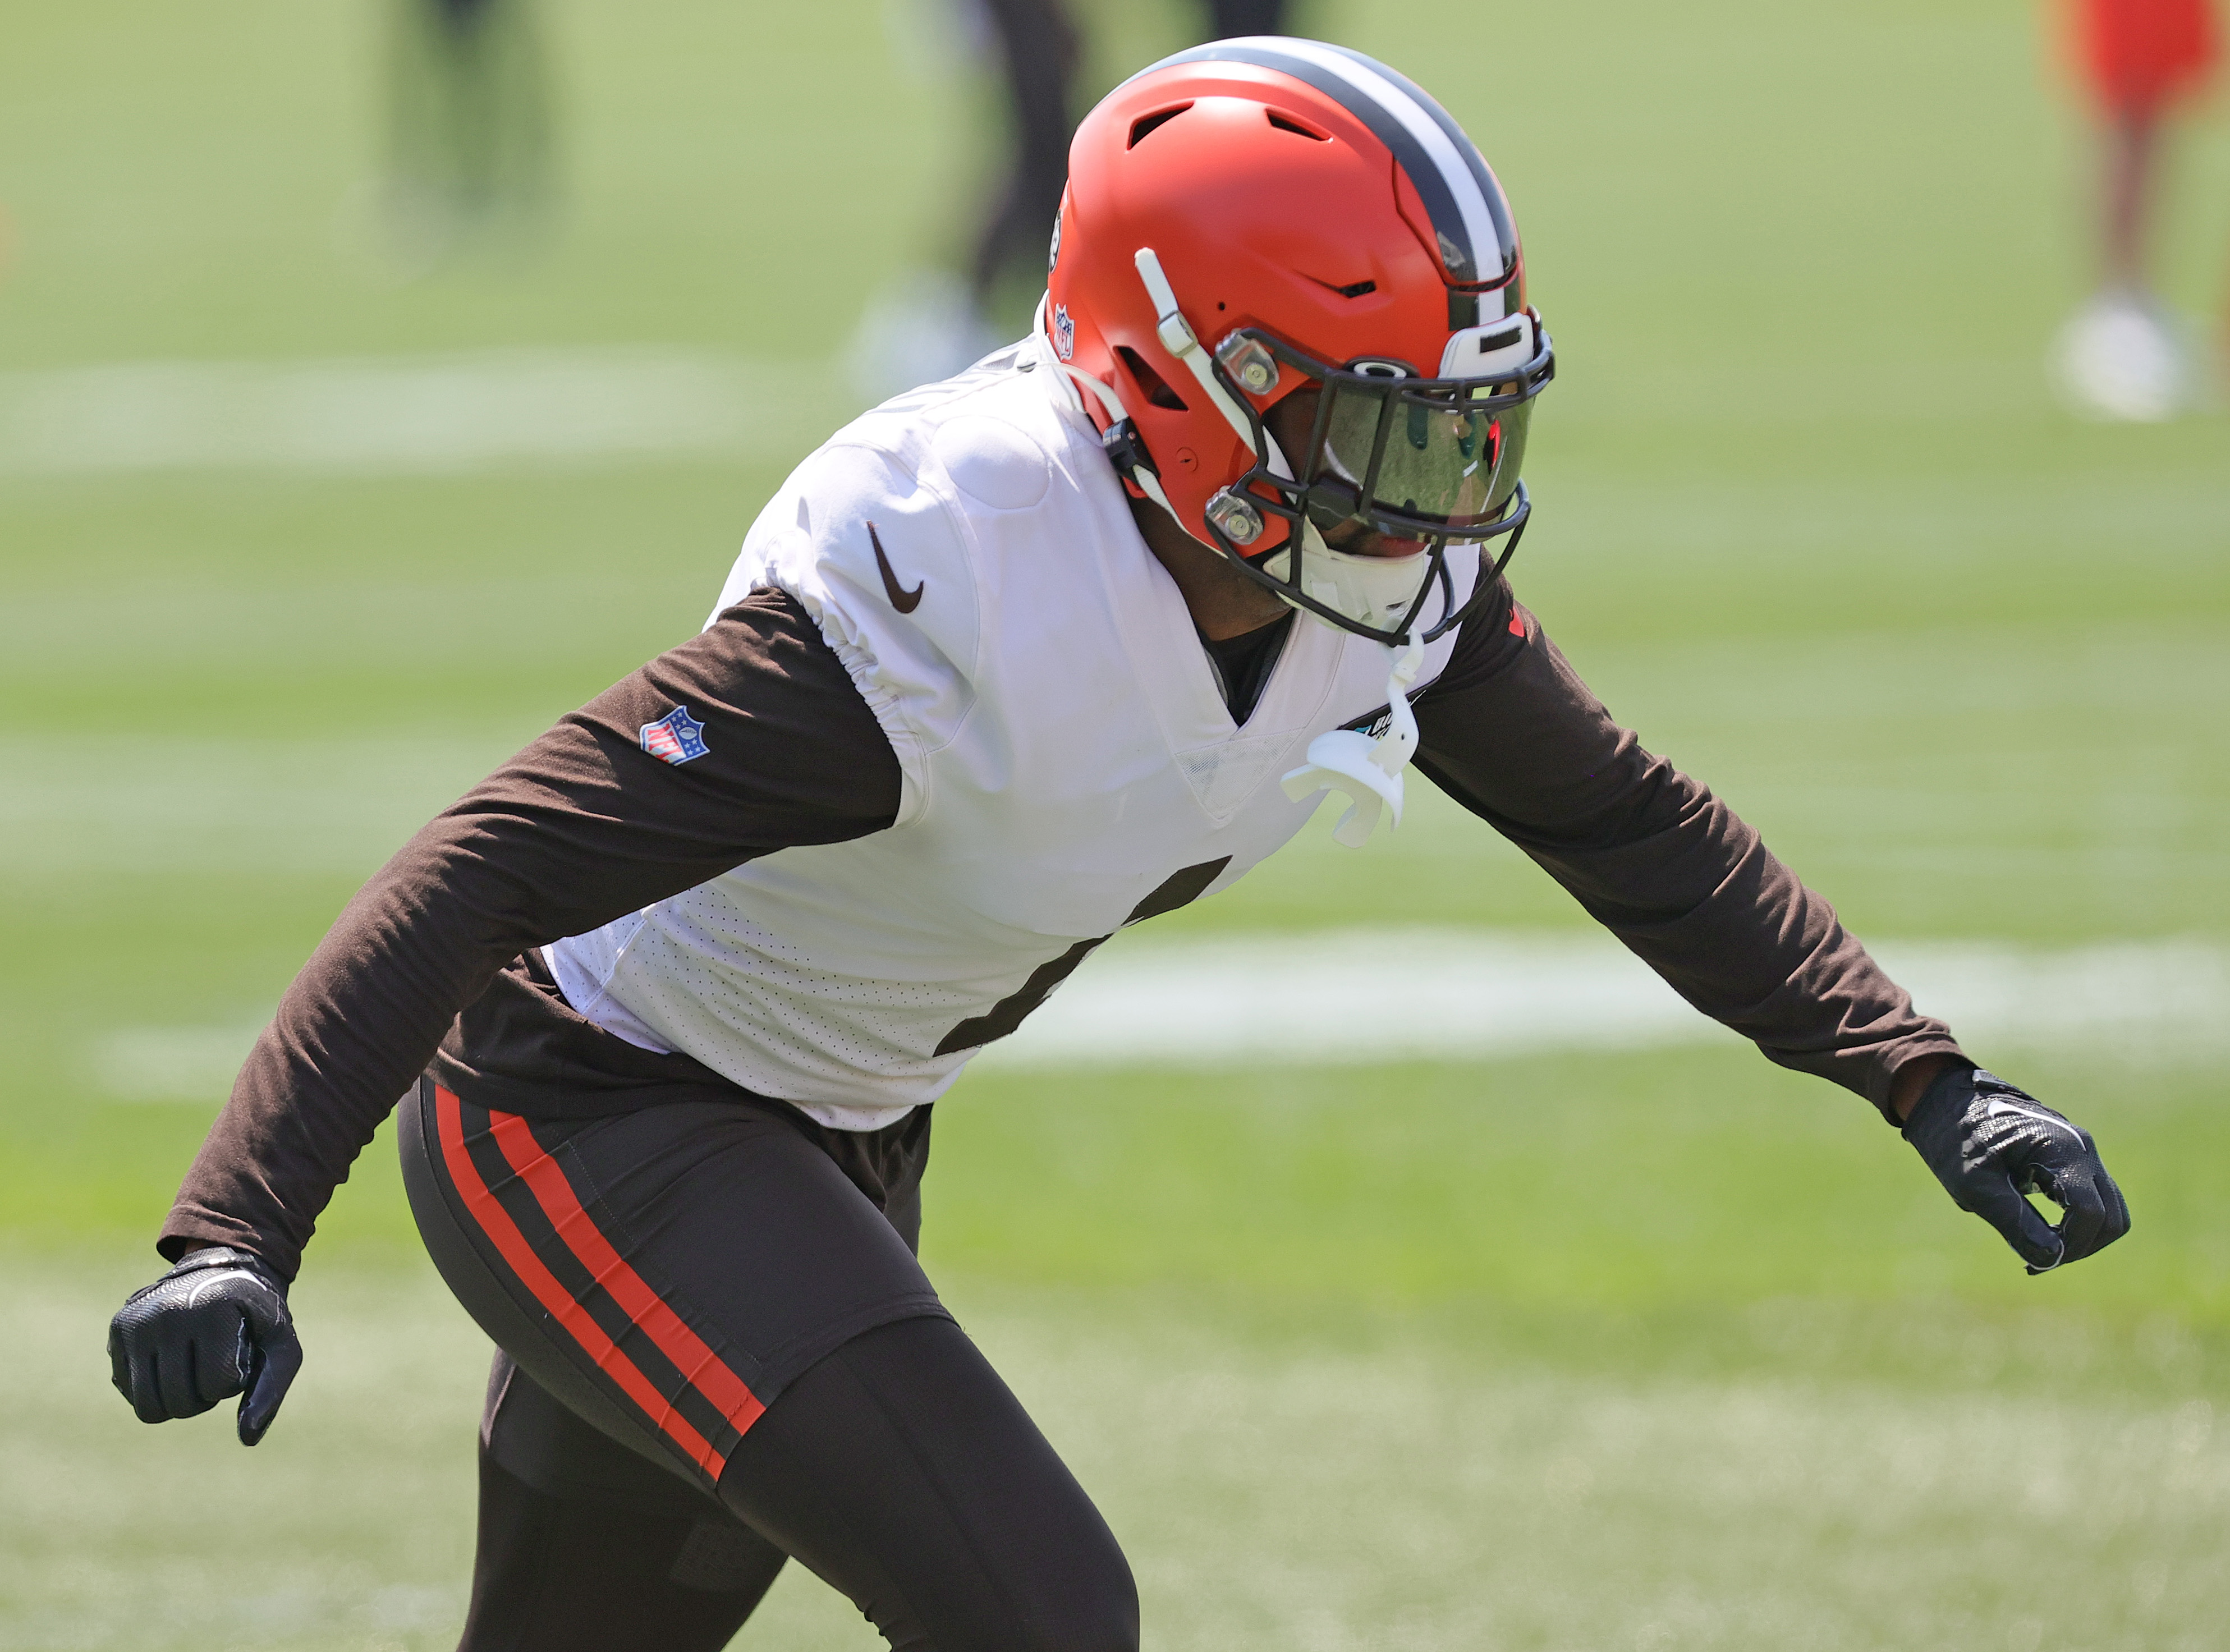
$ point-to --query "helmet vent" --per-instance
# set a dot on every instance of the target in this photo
(1284, 123)
(1145, 123)
(1157, 388)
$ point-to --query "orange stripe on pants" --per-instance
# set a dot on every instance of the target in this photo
(512, 1245)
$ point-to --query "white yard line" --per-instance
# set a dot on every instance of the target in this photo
(1360, 997)
(171, 1063)
(410, 414)
(342, 805)
(1369, 995)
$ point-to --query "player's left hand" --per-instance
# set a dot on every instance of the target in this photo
(215, 1326)
(1990, 1144)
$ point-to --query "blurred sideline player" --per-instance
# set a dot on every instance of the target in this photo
(469, 123)
(2121, 356)
(934, 326)
(1012, 663)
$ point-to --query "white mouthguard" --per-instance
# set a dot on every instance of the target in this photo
(1368, 770)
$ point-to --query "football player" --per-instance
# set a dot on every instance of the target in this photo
(1012, 661)
(469, 119)
(2122, 356)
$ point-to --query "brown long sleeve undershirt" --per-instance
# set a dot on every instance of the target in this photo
(1510, 732)
(585, 826)
(582, 827)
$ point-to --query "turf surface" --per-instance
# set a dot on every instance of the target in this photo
(1660, 1350)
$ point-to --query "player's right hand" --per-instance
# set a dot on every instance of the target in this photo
(215, 1326)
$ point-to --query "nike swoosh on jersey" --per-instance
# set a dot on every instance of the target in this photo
(905, 601)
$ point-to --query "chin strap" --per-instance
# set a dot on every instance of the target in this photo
(1368, 770)
(1177, 338)
(1140, 475)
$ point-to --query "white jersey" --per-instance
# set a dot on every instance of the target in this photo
(1068, 762)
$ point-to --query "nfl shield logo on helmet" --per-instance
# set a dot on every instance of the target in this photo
(675, 738)
(1064, 333)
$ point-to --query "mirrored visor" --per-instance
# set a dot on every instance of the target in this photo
(1444, 457)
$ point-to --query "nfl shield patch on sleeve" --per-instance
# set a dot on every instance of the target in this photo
(675, 738)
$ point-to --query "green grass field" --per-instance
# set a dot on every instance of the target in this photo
(1586, 1351)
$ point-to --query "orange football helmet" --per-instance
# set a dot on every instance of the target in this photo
(1260, 217)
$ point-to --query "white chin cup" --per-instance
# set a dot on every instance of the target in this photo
(1373, 590)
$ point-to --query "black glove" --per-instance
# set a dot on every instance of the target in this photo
(215, 1326)
(1989, 1144)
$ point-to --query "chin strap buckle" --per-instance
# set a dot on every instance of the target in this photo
(1127, 452)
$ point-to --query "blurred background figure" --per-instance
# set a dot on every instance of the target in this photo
(2124, 355)
(935, 323)
(468, 125)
